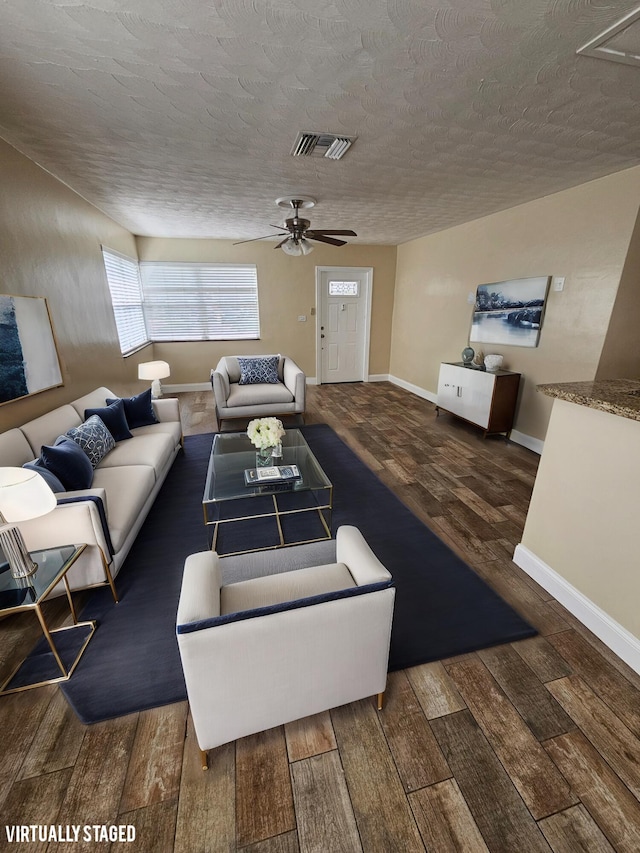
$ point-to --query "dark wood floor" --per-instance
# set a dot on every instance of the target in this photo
(532, 746)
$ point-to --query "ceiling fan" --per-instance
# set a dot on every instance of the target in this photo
(296, 231)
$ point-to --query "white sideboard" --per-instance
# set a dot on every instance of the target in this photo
(485, 398)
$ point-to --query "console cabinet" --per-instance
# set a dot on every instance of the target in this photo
(485, 398)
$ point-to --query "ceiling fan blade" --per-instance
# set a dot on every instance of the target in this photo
(322, 239)
(310, 233)
(253, 239)
(282, 241)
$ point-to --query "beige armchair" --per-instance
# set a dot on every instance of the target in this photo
(270, 649)
(242, 393)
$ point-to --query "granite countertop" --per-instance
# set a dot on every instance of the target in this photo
(616, 396)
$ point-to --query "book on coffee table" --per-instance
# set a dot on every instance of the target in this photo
(273, 474)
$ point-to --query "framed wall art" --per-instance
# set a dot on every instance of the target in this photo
(28, 356)
(510, 312)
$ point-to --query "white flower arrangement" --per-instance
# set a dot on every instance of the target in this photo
(265, 432)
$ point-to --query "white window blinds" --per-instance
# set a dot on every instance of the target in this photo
(126, 296)
(200, 302)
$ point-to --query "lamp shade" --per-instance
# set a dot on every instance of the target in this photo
(300, 246)
(153, 370)
(24, 495)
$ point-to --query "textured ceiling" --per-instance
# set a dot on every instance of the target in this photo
(177, 117)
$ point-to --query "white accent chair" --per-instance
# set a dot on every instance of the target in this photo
(264, 651)
(233, 400)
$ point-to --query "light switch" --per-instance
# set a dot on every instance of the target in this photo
(302, 318)
(558, 282)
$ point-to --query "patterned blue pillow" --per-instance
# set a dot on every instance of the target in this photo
(94, 438)
(254, 371)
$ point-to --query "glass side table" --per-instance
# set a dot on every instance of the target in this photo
(56, 655)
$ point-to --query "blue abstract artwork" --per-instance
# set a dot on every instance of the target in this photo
(510, 312)
(28, 357)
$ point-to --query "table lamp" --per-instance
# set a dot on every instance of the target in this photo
(155, 370)
(23, 495)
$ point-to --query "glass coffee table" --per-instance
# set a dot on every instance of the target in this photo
(243, 519)
(57, 654)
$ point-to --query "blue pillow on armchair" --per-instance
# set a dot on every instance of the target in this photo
(68, 462)
(255, 370)
(114, 419)
(138, 410)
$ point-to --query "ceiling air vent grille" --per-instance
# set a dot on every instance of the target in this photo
(328, 145)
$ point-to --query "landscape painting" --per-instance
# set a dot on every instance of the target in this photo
(28, 356)
(510, 312)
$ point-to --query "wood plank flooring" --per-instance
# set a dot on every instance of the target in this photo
(532, 746)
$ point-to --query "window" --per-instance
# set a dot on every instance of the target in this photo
(126, 296)
(200, 302)
(343, 288)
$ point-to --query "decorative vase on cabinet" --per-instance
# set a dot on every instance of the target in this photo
(487, 399)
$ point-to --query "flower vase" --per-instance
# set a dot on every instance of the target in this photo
(264, 457)
(268, 456)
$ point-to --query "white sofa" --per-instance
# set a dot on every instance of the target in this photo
(302, 637)
(124, 487)
(263, 399)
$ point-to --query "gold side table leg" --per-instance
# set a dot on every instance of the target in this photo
(52, 645)
(70, 600)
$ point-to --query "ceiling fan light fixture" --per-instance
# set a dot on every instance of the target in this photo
(297, 247)
(290, 247)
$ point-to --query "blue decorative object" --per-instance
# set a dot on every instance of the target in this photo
(48, 476)
(68, 461)
(254, 371)
(114, 419)
(138, 410)
(28, 357)
(94, 438)
(468, 354)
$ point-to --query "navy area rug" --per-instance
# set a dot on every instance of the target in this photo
(132, 663)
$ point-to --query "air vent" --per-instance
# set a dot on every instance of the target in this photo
(619, 43)
(328, 145)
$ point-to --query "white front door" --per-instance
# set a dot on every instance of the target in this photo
(344, 303)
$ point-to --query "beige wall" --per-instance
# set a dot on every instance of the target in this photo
(583, 234)
(50, 246)
(621, 354)
(583, 513)
(50, 241)
(286, 290)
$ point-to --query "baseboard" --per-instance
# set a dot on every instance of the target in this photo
(612, 634)
(415, 389)
(187, 386)
(378, 377)
(528, 441)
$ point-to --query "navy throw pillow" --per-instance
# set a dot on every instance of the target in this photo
(138, 410)
(258, 369)
(68, 462)
(114, 419)
(48, 476)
